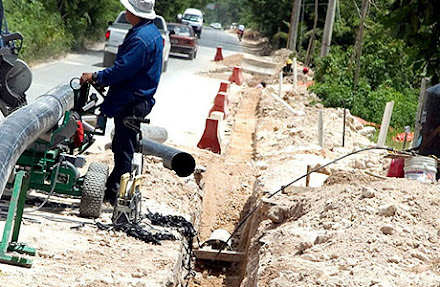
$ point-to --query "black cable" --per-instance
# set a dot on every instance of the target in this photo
(52, 189)
(294, 181)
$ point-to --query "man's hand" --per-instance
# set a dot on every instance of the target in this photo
(86, 78)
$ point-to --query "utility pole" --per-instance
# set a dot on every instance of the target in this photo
(294, 21)
(359, 42)
(328, 28)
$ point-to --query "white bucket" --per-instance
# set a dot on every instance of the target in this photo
(421, 168)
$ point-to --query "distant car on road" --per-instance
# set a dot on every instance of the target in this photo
(217, 26)
(194, 18)
(183, 39)
(116, 33)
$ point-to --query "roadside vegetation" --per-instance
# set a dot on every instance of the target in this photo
(399, 46)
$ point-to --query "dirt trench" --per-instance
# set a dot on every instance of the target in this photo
(229, 183)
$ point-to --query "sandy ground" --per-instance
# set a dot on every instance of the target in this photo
(349, 227)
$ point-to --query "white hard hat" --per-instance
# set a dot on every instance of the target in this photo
(141, 8)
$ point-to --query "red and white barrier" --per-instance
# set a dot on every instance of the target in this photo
(210, 139)
(224, 87)
(219, 54)
(237, 76)
(221, 104)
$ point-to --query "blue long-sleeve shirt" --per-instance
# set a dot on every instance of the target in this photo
(136, 72)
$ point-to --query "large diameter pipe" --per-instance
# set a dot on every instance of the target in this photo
(24, 126)
(181, 162)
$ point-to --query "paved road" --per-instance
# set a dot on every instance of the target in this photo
(184, 98)
(212, 38)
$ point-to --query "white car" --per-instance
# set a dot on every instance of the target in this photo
(194, 18)
(116, 33)
(217, 26)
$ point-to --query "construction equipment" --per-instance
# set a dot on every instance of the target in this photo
(51, 163)
(128, 204)
(218, 248)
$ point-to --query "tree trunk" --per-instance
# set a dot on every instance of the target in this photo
(328, 28)
(311, 47)
(294, 21)
(359, 42)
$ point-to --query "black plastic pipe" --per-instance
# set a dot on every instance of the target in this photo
(24, 126)
(181, 162)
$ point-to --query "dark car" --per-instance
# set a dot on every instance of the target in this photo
(183, 40)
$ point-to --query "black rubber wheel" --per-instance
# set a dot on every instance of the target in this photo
(93, 190)
(98, 167)
(191, 56)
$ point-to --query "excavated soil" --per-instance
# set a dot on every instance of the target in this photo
(347, 228)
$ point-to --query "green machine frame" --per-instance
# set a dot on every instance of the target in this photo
(13, 223)
(43, 167)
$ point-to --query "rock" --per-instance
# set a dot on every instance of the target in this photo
(368, 192)
(299, 113)
(304, 245)
(388, 210)
(310, 257)
(320, 239)
(262, 165)
(394, 259)
(329, 205)
(367, 131)
(419, 256)
(387, 230)
(359, 164)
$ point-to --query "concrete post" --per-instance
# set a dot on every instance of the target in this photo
(385, 124)
(295, 75)
(280, 94)
(320, 129)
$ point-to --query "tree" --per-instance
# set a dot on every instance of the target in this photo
(328, 28)
(294, 21)
(417, 23)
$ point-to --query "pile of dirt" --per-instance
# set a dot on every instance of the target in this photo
(380, 233)
(232, 61)
(352, 227)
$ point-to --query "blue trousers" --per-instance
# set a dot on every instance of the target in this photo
(124, 145)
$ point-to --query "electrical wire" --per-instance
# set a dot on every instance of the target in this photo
(52, 189)
(246, 218)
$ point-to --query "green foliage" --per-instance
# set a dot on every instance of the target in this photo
(417, 23)
(52, 27)
(335, 87)
(43, 31)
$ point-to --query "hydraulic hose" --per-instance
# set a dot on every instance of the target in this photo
(24, 126)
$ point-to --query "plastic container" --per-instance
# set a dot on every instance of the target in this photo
(421, 168)
(396, 168)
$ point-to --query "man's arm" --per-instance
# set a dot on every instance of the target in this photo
(123, 69)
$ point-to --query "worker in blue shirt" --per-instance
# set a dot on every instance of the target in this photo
(132, 81)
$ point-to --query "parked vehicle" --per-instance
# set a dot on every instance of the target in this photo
(194, 18)
(183, 39)
(116, 33)
(216, 26)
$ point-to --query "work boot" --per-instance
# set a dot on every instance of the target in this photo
(110, 197)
